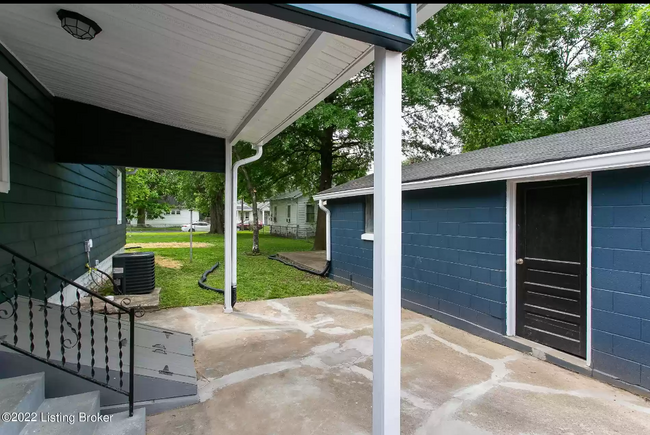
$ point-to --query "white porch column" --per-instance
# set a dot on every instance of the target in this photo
(228, 218)
(387, 251)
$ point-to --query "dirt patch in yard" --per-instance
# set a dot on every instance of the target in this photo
(169, 263)
(169, 245)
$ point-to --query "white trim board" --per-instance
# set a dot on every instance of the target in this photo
(557, 169)
(511, 254)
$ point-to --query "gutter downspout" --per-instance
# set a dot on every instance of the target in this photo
(328, 251)
(233, 246)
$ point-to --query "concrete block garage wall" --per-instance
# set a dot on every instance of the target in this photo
(453, 251)
(52, 207)
(621, 274)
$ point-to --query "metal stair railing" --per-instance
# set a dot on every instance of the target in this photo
(39, 279)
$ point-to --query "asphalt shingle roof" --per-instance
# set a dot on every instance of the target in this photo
(602, 139)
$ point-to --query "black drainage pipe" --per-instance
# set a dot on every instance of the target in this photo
(204, 286)
(323, 273)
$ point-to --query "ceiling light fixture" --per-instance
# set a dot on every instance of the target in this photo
(77, 25)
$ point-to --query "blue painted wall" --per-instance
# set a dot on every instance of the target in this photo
(52, 207)
(621, 274)
(453, 251)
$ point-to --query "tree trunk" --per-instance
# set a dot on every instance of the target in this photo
(217, 213)
(326, 169)
(213, 217)
(256, 228)
(142, 216)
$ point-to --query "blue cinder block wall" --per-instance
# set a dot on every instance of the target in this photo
(621, 274)
(453, 251)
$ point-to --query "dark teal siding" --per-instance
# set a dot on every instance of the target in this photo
(621, 274)
(52, 208)
(453, 251)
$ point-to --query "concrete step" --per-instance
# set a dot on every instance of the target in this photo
(63, 415)
(122, 424)
(20, 394)
(147, 357)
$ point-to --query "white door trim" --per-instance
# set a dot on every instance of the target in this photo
(511, 252)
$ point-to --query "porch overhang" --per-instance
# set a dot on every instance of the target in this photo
(211, 69)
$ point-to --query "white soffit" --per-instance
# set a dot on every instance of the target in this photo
(209, 68)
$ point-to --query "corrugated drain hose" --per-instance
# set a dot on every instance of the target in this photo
(203, 285)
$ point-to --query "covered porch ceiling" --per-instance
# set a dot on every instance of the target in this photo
(208, 68)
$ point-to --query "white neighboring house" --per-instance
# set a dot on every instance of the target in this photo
(174, 218)
(293, 214)
(177, 216)
(263, 212)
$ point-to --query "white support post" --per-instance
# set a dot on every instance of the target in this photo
(387, 252)
(228, 217)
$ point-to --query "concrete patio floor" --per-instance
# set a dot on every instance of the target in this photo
(304, 366)
(315, 261)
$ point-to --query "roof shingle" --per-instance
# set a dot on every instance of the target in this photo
(603, 139)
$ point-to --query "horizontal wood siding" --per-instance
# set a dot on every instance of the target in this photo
(52, 208)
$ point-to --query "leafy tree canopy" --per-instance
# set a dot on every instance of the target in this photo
(517, 71)
(146, 190)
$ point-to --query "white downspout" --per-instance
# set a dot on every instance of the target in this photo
(233, 245)
(328, 251)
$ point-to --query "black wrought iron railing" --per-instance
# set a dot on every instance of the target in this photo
(68, 338)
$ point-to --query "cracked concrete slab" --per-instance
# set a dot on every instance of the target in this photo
(304, 366)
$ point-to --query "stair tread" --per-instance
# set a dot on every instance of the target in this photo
(14, 390)
(122, 424)
(64, 408)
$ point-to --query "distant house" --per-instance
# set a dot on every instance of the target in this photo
(263, 212)
(293, 214)
(175, 217)
(179, 215)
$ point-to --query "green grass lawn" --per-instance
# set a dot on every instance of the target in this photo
(258, 277)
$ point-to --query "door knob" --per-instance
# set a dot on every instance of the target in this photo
(520, 261)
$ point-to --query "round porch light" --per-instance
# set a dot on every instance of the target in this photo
(77, 25)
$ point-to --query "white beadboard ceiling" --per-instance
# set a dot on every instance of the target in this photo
(209, 68)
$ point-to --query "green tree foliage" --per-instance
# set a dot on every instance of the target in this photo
(146, 190)
(203, 192)
(617, 83)
(517, 71)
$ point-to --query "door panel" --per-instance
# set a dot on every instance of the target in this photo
(551, 280)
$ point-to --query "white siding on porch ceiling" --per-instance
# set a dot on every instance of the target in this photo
(198, 67)
(209, 68)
